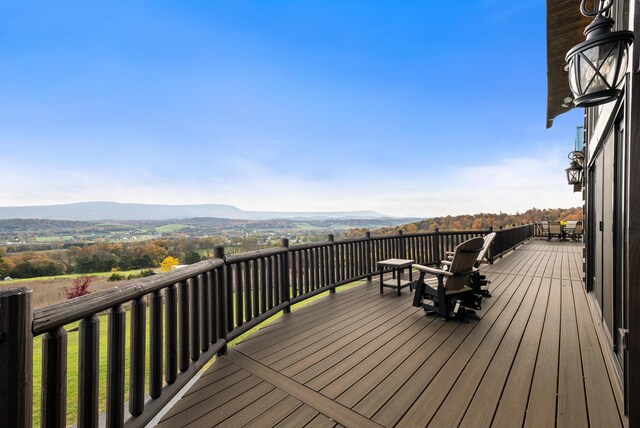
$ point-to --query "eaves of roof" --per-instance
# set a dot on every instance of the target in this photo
(565, 29)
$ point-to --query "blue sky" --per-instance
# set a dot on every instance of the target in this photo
(407, 108)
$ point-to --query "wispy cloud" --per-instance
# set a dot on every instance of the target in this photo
(508, 185)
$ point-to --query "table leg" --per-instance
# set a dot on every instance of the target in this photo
(381, 277)
(399, 279)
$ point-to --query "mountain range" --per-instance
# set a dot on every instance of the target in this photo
(99, 211)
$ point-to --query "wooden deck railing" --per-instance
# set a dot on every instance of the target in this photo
(193, 313)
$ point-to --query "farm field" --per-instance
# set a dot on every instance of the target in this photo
(50, 289)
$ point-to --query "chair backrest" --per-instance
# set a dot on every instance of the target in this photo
(578, 229)
(554, 227)
(571, 225)
(488, 239)
(545, 226)
(464, 258)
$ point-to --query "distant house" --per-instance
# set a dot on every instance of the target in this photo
(8, 278)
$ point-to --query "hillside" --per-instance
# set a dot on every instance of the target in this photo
(102, 211)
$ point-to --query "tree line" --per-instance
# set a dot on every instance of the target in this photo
(104, 257)
(479, 221)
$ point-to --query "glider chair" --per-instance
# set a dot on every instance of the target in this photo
(477, 281)
(448, 293)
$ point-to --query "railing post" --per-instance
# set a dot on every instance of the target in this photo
(16, 358)
(332, 263)
(221, 301)
(183, 326)
(285, 295)
(171, 333)
(402, 249)
(490, 252)
(436, 245)
(53, 404)
(155, 344)
(88, 371)
(115, 366)
(137, 352)
(367, 250)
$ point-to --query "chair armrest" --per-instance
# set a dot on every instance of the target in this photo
(446, 262)
(432, 271)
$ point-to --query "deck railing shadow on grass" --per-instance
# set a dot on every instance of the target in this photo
(193, 313)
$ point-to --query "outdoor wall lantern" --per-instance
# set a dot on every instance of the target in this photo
(574, 172)
(597, 65)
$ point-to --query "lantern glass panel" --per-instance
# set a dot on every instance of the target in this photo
(597, 62)
(574, 75)
(573, 176)
(623, 62)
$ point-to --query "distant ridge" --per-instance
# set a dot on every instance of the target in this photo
(99, 211)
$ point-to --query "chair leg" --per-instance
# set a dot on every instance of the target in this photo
(417, 297)
(442, 297)
(477, 281)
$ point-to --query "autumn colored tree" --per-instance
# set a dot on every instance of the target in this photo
(169, 263)
(32, 264)
(79, 287)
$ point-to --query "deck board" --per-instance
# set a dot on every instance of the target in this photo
(358, 358)
(513, 400)
(572, 406)
(541, 409)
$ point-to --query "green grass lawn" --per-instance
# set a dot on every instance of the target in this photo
(73, 353)
(75, 275)
(171, 228)
(47, 239)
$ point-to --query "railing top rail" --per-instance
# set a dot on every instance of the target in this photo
(359, 239)
(509, 227)
(256, 254)
(312, 245)
(383, 237)
(447, 232)
(66, 312)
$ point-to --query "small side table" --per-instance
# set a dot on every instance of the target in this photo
(397, 266)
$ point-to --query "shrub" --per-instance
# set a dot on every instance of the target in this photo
(79, 287)
(147, 272)
(115, 277)
(192, 257)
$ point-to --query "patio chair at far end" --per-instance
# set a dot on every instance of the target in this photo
(555, 230)
(545, 227)
(448, 292)
(570, 227)
(577, 232)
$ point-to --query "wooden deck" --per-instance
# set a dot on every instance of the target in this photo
(358, 358)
